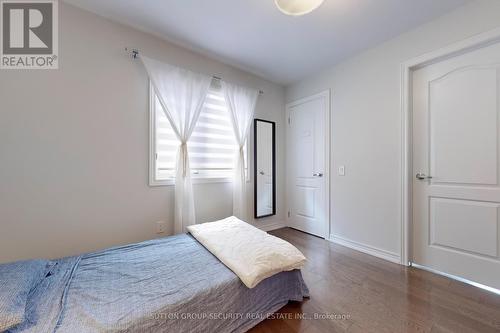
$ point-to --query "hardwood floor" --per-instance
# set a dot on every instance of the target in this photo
(374, 295)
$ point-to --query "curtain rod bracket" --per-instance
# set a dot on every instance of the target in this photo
(134, 53)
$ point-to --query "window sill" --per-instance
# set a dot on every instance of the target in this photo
(171, 182)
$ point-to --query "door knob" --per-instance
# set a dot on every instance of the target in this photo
(422, 176)
(318, 174)
(261, 172)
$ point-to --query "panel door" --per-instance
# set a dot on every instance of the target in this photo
(456, 193)
(307, 166)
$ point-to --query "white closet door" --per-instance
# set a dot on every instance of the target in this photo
(307, 165)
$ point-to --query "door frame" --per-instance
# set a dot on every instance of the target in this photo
(407, 68)
(326, 94)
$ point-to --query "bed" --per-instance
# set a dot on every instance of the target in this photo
(173, 284)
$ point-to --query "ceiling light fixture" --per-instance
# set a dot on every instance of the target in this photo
(297, 7)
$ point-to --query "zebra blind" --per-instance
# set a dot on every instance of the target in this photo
(212, 146)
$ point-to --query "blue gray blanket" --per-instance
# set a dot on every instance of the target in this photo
(166, 285)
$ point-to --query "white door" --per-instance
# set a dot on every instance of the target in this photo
(456, 142)
(307, 164)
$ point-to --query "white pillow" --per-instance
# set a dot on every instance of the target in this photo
(250, 253)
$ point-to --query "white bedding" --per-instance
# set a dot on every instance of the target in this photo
(252, 254)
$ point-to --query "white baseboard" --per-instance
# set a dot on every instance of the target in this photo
(270, 226)
(376, 252)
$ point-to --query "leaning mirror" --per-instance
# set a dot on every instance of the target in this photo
(264, 168)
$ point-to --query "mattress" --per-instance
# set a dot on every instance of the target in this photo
(171, 284)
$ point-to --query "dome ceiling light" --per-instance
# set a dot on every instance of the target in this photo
(297, 7)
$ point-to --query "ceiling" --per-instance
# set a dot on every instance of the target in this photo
(255, 36)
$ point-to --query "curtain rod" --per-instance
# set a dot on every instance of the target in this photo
(134, 53)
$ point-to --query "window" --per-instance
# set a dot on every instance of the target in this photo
(212, 146)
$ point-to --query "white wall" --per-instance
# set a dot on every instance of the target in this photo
(366, 129)
(74, 144)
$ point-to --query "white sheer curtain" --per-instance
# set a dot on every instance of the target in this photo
(181, 94)
(241, 102)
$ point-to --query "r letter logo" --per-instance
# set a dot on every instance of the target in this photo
(29, 33)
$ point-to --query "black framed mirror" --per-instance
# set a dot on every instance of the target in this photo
(264, 168)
